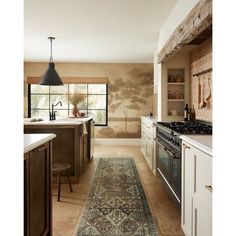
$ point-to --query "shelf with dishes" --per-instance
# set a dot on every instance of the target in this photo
(175, 92)
(175, 100)
(176, 76)
(176, 108)
(176, 83)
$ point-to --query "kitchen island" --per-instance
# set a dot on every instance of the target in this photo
(73, 144)
(37, 184)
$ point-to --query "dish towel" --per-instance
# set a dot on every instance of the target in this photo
(84, 128)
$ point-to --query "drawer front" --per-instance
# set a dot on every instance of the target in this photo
(149, 137)
(142, 133)
(143, 122)
(149, 160)
(149, 127)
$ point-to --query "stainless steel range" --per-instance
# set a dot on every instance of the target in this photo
(168, 146)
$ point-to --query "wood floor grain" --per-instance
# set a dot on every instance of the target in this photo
(67, 212)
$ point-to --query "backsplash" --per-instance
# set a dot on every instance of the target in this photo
(201, 86)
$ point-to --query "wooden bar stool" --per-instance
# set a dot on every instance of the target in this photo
(58, 169)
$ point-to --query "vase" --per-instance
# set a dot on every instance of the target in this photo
(74, 111)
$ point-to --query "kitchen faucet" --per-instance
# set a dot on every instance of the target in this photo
(52, 115)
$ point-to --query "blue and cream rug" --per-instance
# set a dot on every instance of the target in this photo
(117, 204)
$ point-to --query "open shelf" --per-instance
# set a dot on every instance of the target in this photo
(175, 93)
(172, 83)
(176, 100)
(175, 116)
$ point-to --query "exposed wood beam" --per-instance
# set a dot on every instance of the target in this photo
(198, 20)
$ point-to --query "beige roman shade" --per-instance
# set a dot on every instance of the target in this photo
(73, 80)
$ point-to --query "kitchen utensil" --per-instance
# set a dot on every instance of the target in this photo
(207, 100)
(199, 93)
(203, 103)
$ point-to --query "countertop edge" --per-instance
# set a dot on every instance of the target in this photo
(150, 118)
(197, 144)
(37, 143)
(59, 122)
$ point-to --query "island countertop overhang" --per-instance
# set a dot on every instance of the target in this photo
(32, 141)
(61, 121)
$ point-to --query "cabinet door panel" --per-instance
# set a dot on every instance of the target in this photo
(202, 220)
(26, 193)
(203, 176)
(85, 150)
(81, 155)
(187, 189)
(149, 157)
(39, 192)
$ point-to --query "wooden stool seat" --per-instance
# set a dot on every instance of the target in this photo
(58, 169)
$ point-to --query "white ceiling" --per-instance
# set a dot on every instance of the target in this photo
(94, 30)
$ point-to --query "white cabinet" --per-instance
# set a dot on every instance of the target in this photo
(196, 207)
(147, 142)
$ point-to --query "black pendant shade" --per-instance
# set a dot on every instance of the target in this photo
(51, 77)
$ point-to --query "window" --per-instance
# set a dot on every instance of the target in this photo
(40, 99)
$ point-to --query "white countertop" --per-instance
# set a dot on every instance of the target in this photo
(150, 118)
(59, 121)
(202, 142)
(32, 141)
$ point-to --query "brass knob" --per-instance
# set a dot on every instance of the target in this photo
(185, 146)
(209, 187)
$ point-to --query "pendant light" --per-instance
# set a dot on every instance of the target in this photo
(51, 77)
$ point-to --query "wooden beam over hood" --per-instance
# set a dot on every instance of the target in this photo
(198, 21)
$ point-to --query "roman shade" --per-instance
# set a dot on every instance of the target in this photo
(72, 80)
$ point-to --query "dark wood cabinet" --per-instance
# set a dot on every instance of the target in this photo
(83, 152)
(69, 146)
(37, 191)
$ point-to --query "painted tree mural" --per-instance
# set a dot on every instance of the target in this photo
(129, 96)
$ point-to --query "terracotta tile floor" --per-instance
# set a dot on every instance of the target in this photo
(67, 212)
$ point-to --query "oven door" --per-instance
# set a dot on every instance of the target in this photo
(163, 160)
(169, 167)
(175, 172)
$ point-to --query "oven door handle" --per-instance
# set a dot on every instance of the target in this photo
(169, 152)
(158, 141)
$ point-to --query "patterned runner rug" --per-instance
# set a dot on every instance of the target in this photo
(117, 204)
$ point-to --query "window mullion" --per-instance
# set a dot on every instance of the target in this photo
(41, 93)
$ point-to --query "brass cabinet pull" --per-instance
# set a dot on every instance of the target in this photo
(185, 146)
(209, 187)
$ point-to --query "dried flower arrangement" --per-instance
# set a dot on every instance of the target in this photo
(76, 98)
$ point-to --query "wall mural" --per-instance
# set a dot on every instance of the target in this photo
(130, 92)
(129, 97)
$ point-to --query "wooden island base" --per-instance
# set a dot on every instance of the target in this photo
(70, 146)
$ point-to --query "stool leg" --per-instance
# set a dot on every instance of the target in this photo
(59, 187)
(68, 177)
